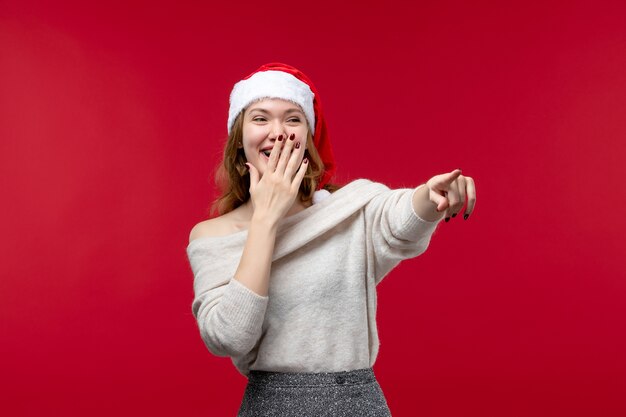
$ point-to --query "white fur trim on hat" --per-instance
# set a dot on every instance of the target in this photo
(271, 84)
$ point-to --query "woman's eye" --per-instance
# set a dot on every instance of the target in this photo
(262, 119)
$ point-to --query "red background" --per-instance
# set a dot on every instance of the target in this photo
(113, 117)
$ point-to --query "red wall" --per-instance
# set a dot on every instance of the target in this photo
(113, 116)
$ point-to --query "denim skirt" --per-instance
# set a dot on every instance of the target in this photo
(285, 394)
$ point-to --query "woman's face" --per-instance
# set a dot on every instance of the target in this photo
(264, 121)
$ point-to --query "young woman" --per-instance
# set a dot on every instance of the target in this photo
(286, 275)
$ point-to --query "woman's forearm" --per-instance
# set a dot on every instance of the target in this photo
(256, 259)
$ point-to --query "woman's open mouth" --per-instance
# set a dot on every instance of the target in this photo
(266, 154)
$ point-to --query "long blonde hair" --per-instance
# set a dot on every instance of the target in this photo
(233, 179)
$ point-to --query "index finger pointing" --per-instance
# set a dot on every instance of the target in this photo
(450, 177)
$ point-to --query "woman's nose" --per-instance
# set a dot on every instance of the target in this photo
(278, 129)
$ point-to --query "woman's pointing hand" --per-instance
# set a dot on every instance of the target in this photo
(449, 191)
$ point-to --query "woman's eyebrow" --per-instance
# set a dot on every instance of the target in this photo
(267, 112)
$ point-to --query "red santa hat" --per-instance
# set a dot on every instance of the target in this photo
(278, 80)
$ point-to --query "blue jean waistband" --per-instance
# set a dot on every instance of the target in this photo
(267, 378)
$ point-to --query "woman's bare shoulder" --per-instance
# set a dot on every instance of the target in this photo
(217, 226)
(210, 227)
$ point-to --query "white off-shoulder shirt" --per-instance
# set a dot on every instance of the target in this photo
(320, 311)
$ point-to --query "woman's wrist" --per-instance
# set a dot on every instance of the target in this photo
(264, 220)
(423, 206)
